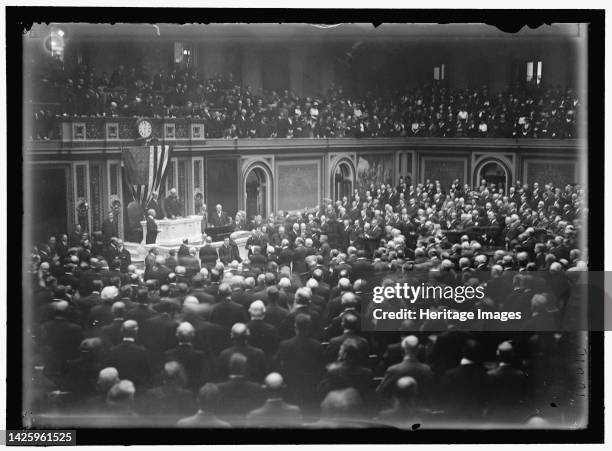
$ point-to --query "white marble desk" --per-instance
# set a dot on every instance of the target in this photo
(173, 231)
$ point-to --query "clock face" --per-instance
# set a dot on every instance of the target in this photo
(145, 129)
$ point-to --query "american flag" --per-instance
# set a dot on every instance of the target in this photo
(144, 169)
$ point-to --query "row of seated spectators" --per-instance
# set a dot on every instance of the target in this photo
(279, 338)
(234, 111)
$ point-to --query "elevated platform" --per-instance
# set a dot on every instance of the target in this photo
(140, 250)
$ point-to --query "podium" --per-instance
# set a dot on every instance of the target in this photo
(219, 233)
(172, 232)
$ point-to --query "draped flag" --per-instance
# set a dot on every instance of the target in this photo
(144, 169)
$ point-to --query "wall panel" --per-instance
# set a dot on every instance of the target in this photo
(298, 184)
(222, 184)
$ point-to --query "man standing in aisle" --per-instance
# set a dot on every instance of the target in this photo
(152, 230)
(110, 228)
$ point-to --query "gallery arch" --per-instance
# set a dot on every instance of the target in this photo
(257, 191)
(343, 177)
(495, 172)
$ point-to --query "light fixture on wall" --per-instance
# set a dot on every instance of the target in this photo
(55, 44)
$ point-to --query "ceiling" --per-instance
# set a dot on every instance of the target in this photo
(301, 32)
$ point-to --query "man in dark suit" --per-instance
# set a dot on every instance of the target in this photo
(256, 359)
(349, 303)
(299, 255)
(172, 205)
(208, 254)
(86, 303)
(275, 315)
(499, 285)
(519, 300)
(111, 333)
(373, 236)
(350, 324)
(141, 311)
(130, 359)
(199, 366)
(237, 395)
(285, 256)
(344, 238)
(184, 249)
(157, 333)
(155, 206)
(60, 337)
(226, 313)
(465, 388)
(323, 289)
(110, 228)
(508, 385)
(208, 402)
(544, 316)
(76, 236)
(262, 335)
(96, 401)
(303, 305)
(120, 404)
(275, 412)
(258, 260)
(190, 262)
(334, 305)
(124, 256)
(209, 337)
(362, 268)
(409, 366)
(197, 290)
(159, 272)
(62, 246)
(171, 400)
(300, 360)
(227, 252)
(215, 282)
(219, 218)
(347, 371)
(80, 375)
(243, 292)
(135, 214)
(152, 229)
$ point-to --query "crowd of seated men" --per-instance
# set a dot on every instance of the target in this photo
(234, 111)
(277, 339)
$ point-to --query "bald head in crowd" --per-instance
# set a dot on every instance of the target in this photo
(185, 332)
(121, 394)
(257, 310)
(107, 377)
(239, 332)
(410, 346)
(129, 329)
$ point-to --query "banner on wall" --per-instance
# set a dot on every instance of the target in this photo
(144, 169)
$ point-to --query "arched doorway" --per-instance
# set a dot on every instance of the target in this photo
(343, 182)
(256, 188)
(494, 173)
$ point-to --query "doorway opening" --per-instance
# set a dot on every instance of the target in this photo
(256, 193)
(343, 182)
(494, 174)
